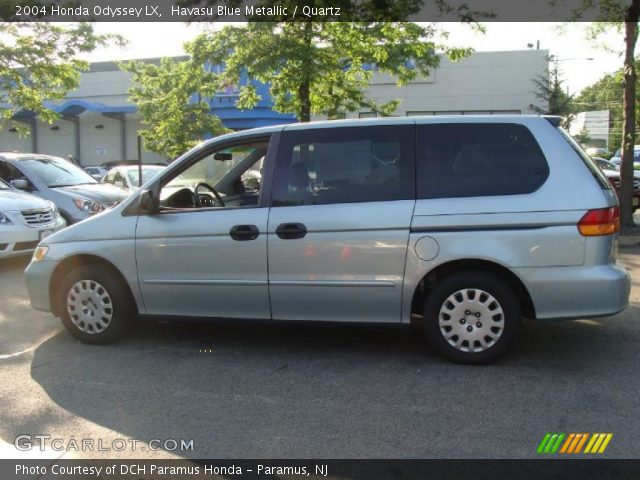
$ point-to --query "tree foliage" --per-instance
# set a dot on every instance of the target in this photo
(606, 94)
(173, 102)
(319, 68)
(551, 92)
(38, 63)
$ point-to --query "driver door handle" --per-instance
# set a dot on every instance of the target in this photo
(243, 233)
(290, 231)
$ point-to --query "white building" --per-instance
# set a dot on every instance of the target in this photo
(99, 124)
(483, 83)
(595, 124)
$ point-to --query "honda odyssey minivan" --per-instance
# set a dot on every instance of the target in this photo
(471, 223)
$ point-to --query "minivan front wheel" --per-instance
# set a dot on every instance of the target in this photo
(472, 317)
(94, 305)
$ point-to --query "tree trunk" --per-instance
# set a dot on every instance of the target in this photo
(629, 113)
(304, 88)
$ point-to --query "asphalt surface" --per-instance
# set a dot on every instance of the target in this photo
(247, 390)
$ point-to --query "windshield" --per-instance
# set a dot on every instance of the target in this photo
(4, 186)
(147, 174)
(606, 165)
(56, 172)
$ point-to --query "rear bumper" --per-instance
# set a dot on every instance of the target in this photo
(577, 292)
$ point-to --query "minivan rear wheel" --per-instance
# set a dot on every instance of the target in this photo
(95, 306)
(472, 317)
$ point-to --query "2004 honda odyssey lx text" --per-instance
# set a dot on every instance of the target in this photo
(470, 222)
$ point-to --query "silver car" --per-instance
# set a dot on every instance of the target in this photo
(127, 177)
(25, 220)
(469, 223)
(76, 193)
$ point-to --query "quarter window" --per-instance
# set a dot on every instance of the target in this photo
(345, 165)
(469, 160)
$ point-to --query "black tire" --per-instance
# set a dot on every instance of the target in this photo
(119, 310)
(496, 326)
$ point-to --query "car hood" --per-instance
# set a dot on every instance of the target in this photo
(13, 200)
(99, 192)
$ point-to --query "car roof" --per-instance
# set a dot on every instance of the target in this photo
(28, 156)
(135, 167)
(358, 122)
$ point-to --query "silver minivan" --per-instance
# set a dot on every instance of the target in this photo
(469, 223)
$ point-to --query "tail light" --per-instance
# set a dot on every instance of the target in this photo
(601, 221)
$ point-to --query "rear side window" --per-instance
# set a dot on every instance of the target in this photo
(344, 165)
(471, 160)
(598, 175)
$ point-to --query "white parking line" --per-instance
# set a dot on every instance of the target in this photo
(30, 349)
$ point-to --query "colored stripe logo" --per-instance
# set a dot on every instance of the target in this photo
(572, 443)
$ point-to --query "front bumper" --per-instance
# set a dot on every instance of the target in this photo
(22, 240)
(38, 279)
(577, 292)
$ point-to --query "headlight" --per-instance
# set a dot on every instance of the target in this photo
(4, 219)
(88, 205)
(39, 253)
(54, 208)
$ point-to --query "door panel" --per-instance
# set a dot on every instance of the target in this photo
(342, 201)
(189, 264)
(348, 267)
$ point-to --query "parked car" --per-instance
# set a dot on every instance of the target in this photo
(617, 160)
(605, 164)
(470, 223)
(96, 172)
(76, 193)
(25, 220)
(128, 177)
(123, 163)
(613, 175)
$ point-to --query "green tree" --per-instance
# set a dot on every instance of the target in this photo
(555, 101)
(623, 16)
(319, 68)
(39, 62)
(582, 137)
(173, 102)
(606, 94)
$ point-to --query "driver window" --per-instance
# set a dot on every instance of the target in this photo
(227, 178)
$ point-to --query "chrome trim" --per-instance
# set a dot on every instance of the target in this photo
(314, 283)
(250, 283)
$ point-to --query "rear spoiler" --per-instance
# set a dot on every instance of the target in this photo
(554, 120)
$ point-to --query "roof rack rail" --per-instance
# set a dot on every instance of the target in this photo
(554, 120)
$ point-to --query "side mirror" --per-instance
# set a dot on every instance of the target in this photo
(20, 184)
(147, 202)
(251, 184)
(119, 183)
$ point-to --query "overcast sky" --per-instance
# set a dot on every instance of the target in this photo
(571, 47)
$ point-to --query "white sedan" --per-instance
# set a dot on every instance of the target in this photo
(127, 176)
(25, 220)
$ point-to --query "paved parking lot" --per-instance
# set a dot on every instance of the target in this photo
(296, 391)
